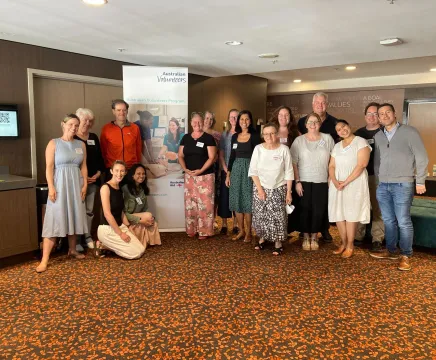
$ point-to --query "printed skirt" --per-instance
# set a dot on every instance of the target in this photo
(270, 220)
(241, 187)
(199, 204)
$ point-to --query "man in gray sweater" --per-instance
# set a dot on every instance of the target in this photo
(400, 159)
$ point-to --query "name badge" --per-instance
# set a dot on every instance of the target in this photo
(200, 144)
(321, 142)
(283, 140)
(370, 141)
(277, 157)
(90, 142)
(138, 200)
(235, 146)
(79, 151)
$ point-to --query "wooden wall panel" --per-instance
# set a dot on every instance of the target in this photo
(53, 100)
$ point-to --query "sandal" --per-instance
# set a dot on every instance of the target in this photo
(260, 245)
(277, 251)
(98, 250)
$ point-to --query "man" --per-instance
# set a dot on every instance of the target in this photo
(319, 106)
(120, 140)
(400, 158)
(368, 132)
(145, 123)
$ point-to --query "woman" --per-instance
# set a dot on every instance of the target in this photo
(66, 178)
(310, 157)
(272, 174)
(241, 186)
(169, 152)
(94, 164)
(135, 192)
(348, 191)
(114, 233)
(209, 123)
(224, 157)
(197, 153)
(287, 125)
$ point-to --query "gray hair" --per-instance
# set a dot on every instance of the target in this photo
(84, 112)
(320, 94)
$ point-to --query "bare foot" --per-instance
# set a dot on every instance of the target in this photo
(41, 268)
(239, 236)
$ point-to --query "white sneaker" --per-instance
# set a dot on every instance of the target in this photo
(79, 248)
(306, 244)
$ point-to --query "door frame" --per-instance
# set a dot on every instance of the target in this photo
(406, 110)
(53, 75)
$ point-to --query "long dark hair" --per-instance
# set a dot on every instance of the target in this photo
(171, 138)
(131, 185)
(292, 125)
(238, 128)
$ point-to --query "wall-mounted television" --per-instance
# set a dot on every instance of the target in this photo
(9, 121)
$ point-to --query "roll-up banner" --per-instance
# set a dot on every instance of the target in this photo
(158, 99)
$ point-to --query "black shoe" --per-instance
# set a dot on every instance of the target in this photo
(376, 246)
(358, 243)
(301, 235)
(235, 230)
(223, 231)
(326, 237)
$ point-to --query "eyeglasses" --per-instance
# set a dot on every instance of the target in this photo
(372, 114)
(269, 134)
(310, 123)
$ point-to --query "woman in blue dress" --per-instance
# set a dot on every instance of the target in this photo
(65, 171)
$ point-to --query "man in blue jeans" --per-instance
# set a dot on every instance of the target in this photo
(400, 159)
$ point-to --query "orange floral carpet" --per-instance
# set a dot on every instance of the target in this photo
(220, 299)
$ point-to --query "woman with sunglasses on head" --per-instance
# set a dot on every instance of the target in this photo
(241, 186)
(197, 153)
(142, 222)
(310, 157)
(66, 174)
(114, 234)
(349, 201)
(272, 174)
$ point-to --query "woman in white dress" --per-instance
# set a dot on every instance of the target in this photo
(349, 201)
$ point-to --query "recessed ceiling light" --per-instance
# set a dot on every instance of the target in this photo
(297, 81)
(433, 69)
(351, 67)
(391, 42)
(268, 56)
(95, 2)
(234, 43)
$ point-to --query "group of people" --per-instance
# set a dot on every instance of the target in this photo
(74, 165)
(316, 166)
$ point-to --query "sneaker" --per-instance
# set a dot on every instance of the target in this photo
(384, 254)
(79, 248)
(377, 246)
(306, 244)
(404, 264)
(314, 244)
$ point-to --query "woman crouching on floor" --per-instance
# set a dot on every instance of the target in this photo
(114, 234)
(142, 222)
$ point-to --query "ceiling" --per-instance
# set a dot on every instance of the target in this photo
(312, 35)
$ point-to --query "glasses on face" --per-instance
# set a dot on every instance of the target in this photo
(269, 134)
(372, 114)
(310, 123)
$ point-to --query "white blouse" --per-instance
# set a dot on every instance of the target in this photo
(312, 157)
(273, 167)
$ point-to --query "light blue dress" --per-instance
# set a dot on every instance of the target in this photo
(67, 215)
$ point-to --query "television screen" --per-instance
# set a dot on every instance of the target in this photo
(8, 121)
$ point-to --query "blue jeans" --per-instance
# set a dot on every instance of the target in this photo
(395, 201)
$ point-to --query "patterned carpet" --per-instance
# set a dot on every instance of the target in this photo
(219, 299)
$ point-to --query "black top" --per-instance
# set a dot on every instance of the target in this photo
(117, 205)
(94, 159)
(368, 135)
(195, 151)
(327, 126)
(242, 149)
